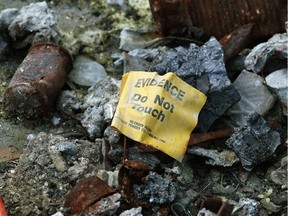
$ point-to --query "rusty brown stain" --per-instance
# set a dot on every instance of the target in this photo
(219, 17)
(9, 153)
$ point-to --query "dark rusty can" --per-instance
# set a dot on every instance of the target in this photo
(219, 17)
(38, 81)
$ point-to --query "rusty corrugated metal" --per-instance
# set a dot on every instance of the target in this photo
(219, 17)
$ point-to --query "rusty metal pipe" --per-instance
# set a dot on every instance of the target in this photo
(219, 17)
(37, 81)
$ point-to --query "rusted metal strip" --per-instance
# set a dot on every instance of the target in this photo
(197, 138)
(217, 205)
(86, 193)
(132, 172)
(236, 41)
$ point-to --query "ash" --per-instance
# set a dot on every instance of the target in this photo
(157, 189)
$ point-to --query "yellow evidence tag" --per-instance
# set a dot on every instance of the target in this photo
(160, 111)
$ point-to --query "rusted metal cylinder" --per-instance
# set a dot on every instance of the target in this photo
(38, 81)
(219, 17)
